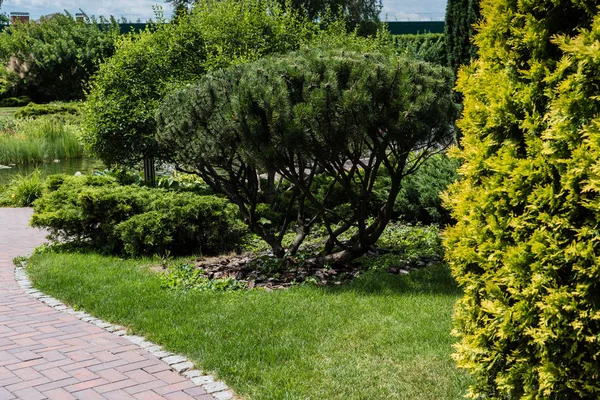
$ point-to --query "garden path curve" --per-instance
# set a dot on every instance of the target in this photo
(47, 354)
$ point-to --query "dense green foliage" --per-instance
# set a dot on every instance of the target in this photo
(98, 212)
(33, 110)
(430, 47)
(362, 15)
(461, 17)
(53, 59)
(526, 247)
(46, 138)
(419, 198)
(15, 101)
(126, 91)
(380, 337)
(345, 115)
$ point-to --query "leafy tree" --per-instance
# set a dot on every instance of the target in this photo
(358, 14)
(526, 247)
(265, 134)
(124, 95)
(461, 16)
(53, 59)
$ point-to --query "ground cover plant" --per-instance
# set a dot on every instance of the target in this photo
(526, 244)
(291, 344)
(266, 134)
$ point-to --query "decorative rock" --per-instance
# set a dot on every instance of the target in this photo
(192, 373)
(175, 359)
(203, 380)
(215, 387)
(162, 354)
(182, 367)
(226, 395)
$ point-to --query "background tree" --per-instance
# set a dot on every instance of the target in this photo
(461, 16)
(180, 7)
(279, 136)
(54, 58)
(119, 118)
(526, 247)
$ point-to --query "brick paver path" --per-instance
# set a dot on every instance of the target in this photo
(46, 354)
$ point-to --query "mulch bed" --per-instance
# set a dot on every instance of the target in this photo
(269, 273)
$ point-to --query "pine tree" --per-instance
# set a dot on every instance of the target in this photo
(526, 248)
(281, 136)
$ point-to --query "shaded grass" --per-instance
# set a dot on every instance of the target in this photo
(38, 140)
(380, 337)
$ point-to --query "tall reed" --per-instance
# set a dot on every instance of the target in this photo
(37, 140)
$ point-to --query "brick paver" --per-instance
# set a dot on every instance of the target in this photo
(46, 354)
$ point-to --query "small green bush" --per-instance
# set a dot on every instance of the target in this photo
(15, 101)
(419, 199)
(33, 110)
(100, 213)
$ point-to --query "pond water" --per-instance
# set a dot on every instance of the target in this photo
(83, 165)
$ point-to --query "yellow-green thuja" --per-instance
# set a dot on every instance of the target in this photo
(526, 246)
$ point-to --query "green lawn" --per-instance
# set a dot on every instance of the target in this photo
(380, 337)
(8, 111)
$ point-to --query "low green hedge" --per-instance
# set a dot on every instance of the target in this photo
(33, 110)
(115, 219)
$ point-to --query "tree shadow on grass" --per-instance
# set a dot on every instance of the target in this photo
(434, 279)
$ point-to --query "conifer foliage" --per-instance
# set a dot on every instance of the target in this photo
(283, 136)
(526, 248)
(461, 15)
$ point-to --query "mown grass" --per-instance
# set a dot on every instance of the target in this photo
(8, 111)
(37, 140)
(379, 337)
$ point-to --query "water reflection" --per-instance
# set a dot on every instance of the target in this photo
(84, 165)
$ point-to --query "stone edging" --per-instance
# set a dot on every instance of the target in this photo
(178, 363)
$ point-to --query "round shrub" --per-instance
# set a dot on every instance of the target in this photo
(100, 213)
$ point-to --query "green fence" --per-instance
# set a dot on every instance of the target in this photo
(414, 27)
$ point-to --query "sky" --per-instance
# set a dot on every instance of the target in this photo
(401, 10)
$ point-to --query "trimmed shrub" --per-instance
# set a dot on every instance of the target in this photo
(100, 213)
(33, 110)
(346, 115)
(526, 247)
